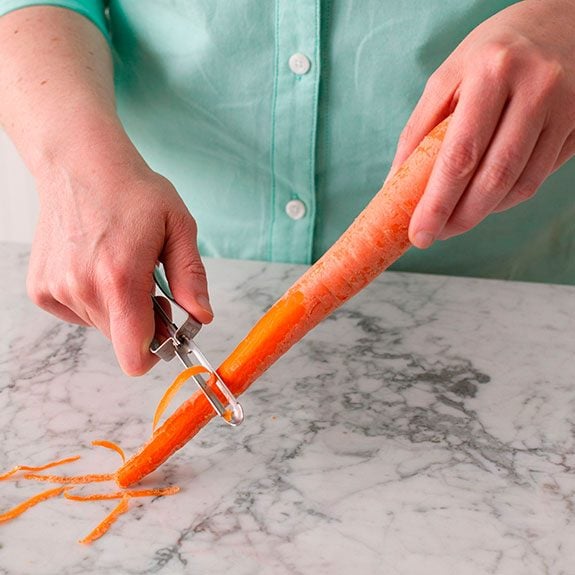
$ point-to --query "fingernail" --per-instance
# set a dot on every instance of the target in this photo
(423, 239)
(204, 303)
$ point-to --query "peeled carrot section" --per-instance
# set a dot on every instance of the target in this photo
(107, 522)
(25, 505)
(15, 470)
(377, 237)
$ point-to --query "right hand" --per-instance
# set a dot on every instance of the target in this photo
(96, 245)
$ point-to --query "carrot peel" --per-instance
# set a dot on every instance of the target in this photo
(107, 522)
(25, 505)
(74, 479)
(18, 468)
(110, 445)
(174, 388)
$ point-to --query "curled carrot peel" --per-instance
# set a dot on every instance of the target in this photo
(110, 445)
(25, 505)
(15, 470)
(377, 237)
(160, 492)
(103, 527)
(174, 388)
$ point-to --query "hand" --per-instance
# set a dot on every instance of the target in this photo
(511, 87)
(96, 245)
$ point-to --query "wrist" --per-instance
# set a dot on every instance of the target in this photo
(91, 147)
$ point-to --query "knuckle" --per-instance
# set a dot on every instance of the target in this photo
(436, 82)
(438, 209)
(39, 295)
(554, 75)
(499, 59)
(194, 268)
(523, 191)
(460, 160)
(78, 286)
(500, 174)
(114, 280)
(461, 223)
(547, 79)
(185, 225)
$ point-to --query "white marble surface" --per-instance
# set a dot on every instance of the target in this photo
(428, 427)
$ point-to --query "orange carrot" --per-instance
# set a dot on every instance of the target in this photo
(25, 505)
(377, 237)
(100, 529)
(38, 467)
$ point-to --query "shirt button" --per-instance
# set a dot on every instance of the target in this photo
(295, 209)
(299, 64)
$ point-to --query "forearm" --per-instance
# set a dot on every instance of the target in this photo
(57, 91)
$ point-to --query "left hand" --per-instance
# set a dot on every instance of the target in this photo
(511, 87)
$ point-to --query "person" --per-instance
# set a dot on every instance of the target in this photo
(260, 129)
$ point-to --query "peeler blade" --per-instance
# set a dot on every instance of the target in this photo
(172, 341)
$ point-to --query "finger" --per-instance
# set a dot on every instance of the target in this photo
(469, 133)
(46, 301)
(435, 104)
(64, 313)
(541, 163)
(502, 165)
(185, 271)
(567, 152)
(131, 319)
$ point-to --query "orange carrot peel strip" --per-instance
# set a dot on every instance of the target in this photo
(160, 492)
(39, 467)
(91, 478)
(107, 522)
(110, 445)
(25, 505)
(174, 388)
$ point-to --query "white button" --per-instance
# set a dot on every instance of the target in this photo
(295, 209)
(299, 64)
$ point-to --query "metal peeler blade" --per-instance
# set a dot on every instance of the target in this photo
(172, 341)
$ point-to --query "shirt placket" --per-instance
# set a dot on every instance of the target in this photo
(294, 124)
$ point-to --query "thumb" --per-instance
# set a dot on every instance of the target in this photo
(185, 271)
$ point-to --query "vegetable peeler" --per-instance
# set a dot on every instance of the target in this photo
(172, 341)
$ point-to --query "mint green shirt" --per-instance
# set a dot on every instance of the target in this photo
(277, 122)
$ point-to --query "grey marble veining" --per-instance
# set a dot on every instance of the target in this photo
(427, 427)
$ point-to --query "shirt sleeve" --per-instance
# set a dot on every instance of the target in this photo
(94, 10)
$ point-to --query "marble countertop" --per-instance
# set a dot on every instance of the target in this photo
(427, 427)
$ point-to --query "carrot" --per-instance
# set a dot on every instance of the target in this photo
(110, 445)
(377, 237)
(72, 480)
(25, 505)
(15, 470)
(103, 527)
